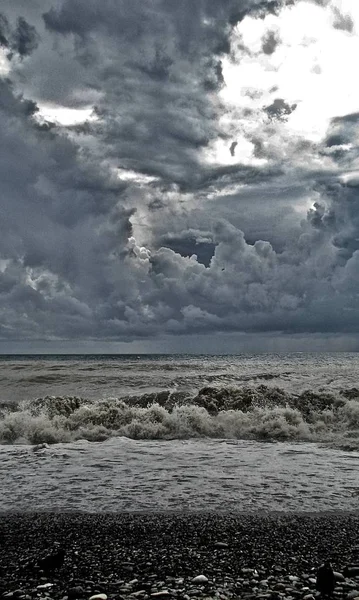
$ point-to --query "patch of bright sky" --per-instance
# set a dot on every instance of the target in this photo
(351, 178)
(130, 175)
(4, 63)
(66, 116)
(312, 66)
(4, 262)
(51, 112)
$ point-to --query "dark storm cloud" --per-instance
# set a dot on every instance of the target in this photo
(335, 140)
(350, 118)
(341, 142)
(221, 177)
(270, 42)
(321, 2)
(61, 225)
(259, 9)
(279, 109)
(342, 21)
(4, 31)
(189, 242)
(180, 246)
(12, 105)
(22, 38)
(155, 204)
(232, 148)
(157, 97)
(25, 38)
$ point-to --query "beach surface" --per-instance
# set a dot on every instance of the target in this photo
(158, 555)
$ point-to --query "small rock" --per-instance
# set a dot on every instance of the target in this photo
(99, 597)
(45, 586)
(353, 594)
(200, 579)
(308, 597)
(246, 571)
(221, 545)
(161, 594)
(338, 576)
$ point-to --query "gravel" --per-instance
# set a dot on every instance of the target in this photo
(184, 556)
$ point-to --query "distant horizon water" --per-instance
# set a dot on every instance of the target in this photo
(174, 354)
(231, 343)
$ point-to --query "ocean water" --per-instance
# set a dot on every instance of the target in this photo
(114, 433)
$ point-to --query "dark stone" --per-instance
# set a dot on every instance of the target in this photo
(53, 561)
(351, 571)
(325, 579)
(76, 592)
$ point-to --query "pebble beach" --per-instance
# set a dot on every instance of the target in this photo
(177, 555)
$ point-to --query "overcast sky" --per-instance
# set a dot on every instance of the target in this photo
(179, 175)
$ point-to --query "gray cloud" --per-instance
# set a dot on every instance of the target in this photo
(259, 9)
(232, 148)
(191, 242)
(321, 2)
(4, 31)
(25, 38)
(181, 246)
(22, 38)
(342, 21)
(270, 42)
(350, 118)
(279, 109)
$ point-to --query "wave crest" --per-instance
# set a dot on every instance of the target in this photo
(258, 413)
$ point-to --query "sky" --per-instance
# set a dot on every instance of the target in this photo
(179, 176)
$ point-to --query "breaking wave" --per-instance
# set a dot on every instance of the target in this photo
(257, 413)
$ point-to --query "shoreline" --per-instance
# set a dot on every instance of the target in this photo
(188, 512)
(134, 555)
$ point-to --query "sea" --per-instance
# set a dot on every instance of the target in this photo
(238, 433)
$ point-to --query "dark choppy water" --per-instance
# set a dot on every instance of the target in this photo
(122, 474)
(180, 432)
(108, 376)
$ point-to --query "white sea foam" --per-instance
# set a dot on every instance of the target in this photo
(260, 413)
